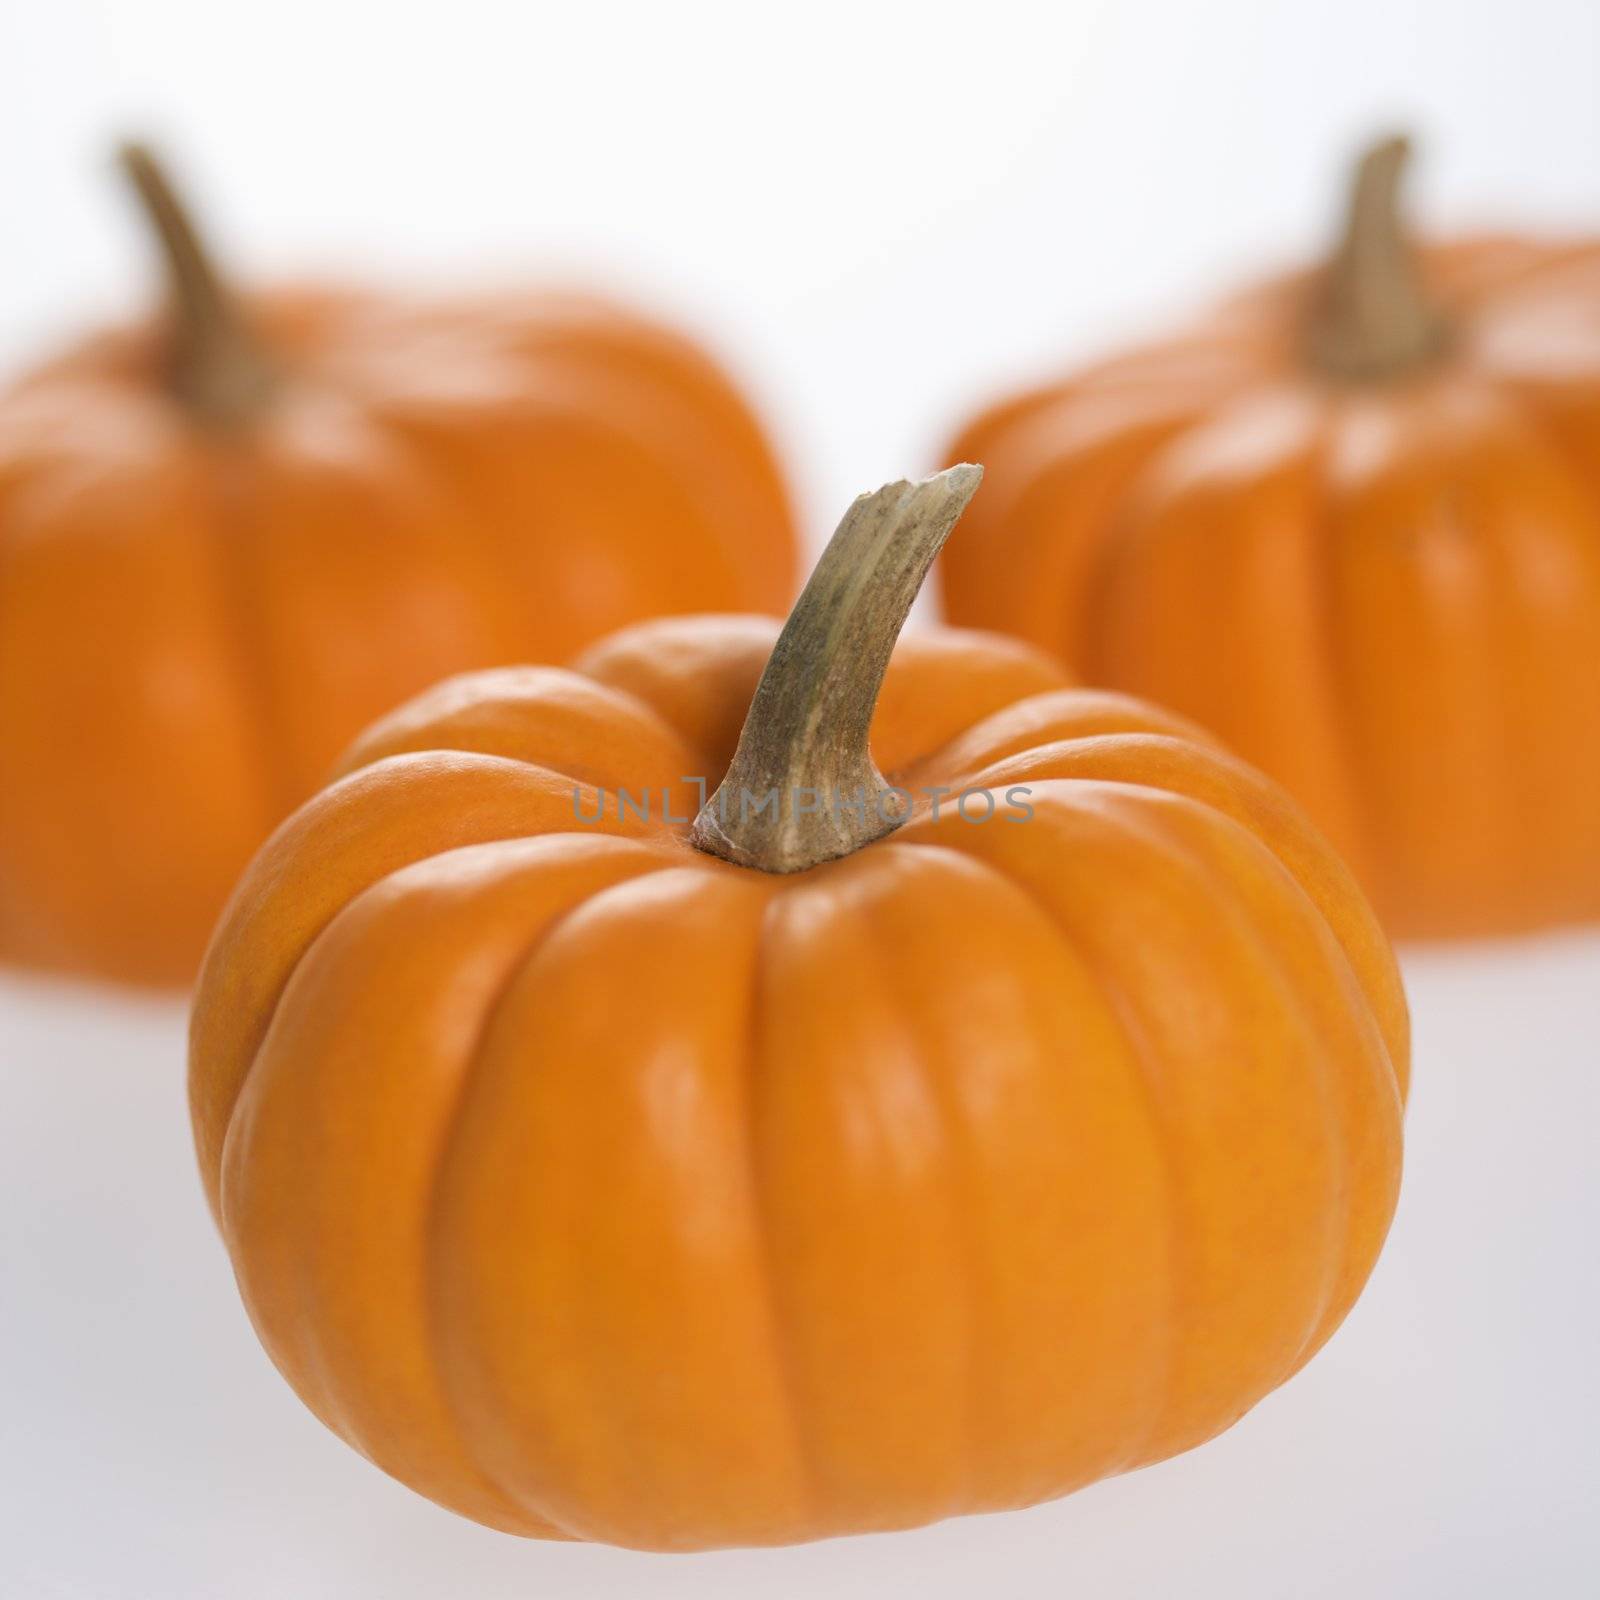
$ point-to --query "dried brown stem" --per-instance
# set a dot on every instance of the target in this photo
(215, 366)
(802, 787)
(1372, 318)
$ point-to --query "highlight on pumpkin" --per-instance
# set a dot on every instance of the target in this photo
(640, 1148)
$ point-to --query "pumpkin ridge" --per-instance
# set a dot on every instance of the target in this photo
(1111, 540)
(443, 732)
(597, 1461)
(234, 529)
(1108, 803)
(269, 1007)
(1533, 410)
(1487, 536)
(686, 374)
(498, 617)
(1387, 1079)
(1382, 992)
(1037, 481)
(1111, 813)
(1137, 1053)
(851, 1501)
(1240, 913)
(951, 759)
(670, 436)
(1438, 610)
(1330, 646)
(785, 1365)
(274, 1003)
(957, 1159)
(430, 1243)
(335, 1408)
(703, 759)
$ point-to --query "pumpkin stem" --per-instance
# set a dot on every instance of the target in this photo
(1372, 318)
(215, 366)
(802, 787)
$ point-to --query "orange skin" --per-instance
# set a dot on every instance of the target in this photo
(194, 624)
(1387, 596)
(598, 1188)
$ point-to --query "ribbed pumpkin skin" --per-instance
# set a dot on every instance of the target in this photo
(193, 624)
(598, 1188)
(1387, 596)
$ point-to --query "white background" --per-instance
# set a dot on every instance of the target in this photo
(878, 213)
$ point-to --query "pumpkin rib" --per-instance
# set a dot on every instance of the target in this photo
(1110, 543)
(852, 1348)
(679, 437)
(238, 602)
(348, 524)
(1027, 726)
(1485, 535)
(1228, 498)
(785, 1364)
(579, 1397)
(678, 408)
(355, 793)
(1028, 505)
(1271, 954)
(1384, 1077)
(483, 572)
(430, 1247)
(989, 1459)
(1261, 851)
(1182, 854)
(363, 918)
(1213, 777)
(82, 820)
(1138, 1054)
(1454, 615)
(1330, 644)
(713, 572)
(1535, 412)
(696, 672)
(679, 371)
(952, 1133)
(442, 718)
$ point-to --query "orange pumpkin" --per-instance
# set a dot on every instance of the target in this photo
(230, 540)
(1352, 524)
(795, 1173)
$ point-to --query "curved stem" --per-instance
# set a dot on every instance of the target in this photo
(215, 366)
(802, 787)
(1373, 318)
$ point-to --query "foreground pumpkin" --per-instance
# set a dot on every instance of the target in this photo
(810, 1168)
(230, 541)
(1353, 525)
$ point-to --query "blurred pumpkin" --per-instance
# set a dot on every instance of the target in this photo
(820, 1167)
(230, 539)
(1351, 523)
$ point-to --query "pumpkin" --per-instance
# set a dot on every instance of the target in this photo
(1352, 524)
(232, 537)
(862, 1151)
